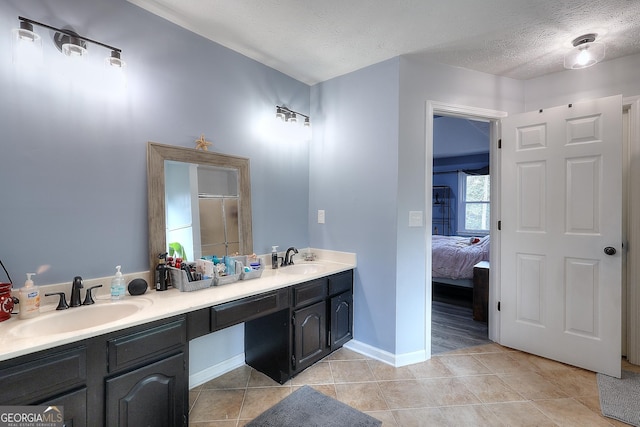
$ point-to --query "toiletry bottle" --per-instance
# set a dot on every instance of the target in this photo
(161, 273)
(274, 257)
(29, 299)
(117, 285)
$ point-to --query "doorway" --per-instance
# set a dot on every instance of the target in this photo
(460, 232)
(492, 117)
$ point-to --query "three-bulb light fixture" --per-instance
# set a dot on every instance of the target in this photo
(288, 115)
(67, 41)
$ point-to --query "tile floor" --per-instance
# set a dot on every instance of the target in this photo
(487, 385)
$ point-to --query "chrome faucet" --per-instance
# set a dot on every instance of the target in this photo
(288, 260)
(75, 292)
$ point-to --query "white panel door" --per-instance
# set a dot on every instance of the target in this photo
(561, 239)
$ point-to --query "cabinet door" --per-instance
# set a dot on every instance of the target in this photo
(310, 335)
(75, 407)
(341, 320)
(153, 395)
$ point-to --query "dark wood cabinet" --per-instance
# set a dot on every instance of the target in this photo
(152, 395)
(341, 315)
(318, 321)
(75, 407)
(309, 335)
(36, 377)
(149, 384)
(139, 376)
(133, 377)
(246, 309)
(481, 291)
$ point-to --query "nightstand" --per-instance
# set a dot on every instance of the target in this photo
(481, 291)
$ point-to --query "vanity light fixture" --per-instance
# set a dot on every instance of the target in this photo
(585, 53)
(288, 115)
(26, 44)
(67, 41)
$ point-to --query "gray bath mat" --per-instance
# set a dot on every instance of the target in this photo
(306, 407)
(620, 398)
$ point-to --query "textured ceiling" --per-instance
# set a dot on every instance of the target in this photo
(314, 40)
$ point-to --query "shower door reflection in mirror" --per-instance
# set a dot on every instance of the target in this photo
(202, 207)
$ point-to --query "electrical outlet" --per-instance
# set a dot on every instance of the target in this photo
(320, 216)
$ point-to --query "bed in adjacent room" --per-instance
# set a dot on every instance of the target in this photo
(453, 258)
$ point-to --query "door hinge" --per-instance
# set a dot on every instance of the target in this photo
(293, 361)
(498, 305)
(293, 319)
(499, 225)
(500, 143)
(329, 338)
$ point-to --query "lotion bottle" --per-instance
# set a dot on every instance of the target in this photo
(274, 257)
(117, 285)
(29, 299)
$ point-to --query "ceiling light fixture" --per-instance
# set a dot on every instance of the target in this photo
(288, 115)
(585, 53)
(67, 41)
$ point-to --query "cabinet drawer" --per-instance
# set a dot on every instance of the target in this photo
(42, 377)
(135, 348)
(198, 323)
(249, 308)
(309, 292)
(340, 282)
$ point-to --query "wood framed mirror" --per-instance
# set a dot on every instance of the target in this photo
(162, 157)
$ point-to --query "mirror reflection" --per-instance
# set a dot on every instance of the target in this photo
(199, 203)
(202, 204)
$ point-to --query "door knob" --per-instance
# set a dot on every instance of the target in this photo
(610, 250)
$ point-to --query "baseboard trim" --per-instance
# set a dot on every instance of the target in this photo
(215, 371)
(395, 360)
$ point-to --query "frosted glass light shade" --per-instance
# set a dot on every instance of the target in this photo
(74, 47)
(26, 45)
(584, 55)
(115, 61)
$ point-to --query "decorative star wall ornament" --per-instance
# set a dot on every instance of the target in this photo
(202, 143)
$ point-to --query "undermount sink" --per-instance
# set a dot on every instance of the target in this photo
(304, 268)
(79, 318)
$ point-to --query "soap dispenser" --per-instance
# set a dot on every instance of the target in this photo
(274, 257)
(29, 299)
(117, 285)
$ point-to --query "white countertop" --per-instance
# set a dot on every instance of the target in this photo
(160, 305)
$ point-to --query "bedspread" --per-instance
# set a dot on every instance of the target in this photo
(453, 257)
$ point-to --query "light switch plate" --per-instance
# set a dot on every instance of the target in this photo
(320, 216)
(415, 218)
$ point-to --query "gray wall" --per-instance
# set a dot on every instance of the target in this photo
(354, 169)
(73, 147)
(422, 81)
(368, 171)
